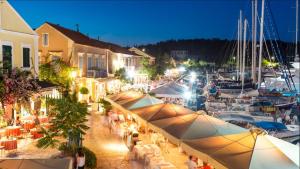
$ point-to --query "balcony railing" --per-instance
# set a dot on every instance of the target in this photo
(96, 73)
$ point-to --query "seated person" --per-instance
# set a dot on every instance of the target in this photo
(205, 165)
(18, 121)
(37, 120)
(191, 164)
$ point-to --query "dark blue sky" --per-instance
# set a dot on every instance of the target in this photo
(129, 22)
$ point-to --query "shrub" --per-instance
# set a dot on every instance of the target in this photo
(90, 158)
(84, 90)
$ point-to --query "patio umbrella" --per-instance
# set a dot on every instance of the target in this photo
(145, 100)
(247, 150)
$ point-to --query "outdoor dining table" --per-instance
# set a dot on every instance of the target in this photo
(161, 165)
(13, 131)
(43, 119)
(9, 144)
(28, 125)
(2, 133)
(143, 150)
(46, 125)
(35, 133)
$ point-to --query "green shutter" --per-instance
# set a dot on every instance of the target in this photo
(26, 57)
(7, 56)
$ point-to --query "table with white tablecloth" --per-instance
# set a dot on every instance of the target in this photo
(142, 150)
(161, 164)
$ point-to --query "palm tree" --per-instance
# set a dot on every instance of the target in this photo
(69, 117)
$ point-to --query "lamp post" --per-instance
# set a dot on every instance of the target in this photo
(73, 75)
(131, 75)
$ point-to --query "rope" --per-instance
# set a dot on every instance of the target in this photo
(288, 77)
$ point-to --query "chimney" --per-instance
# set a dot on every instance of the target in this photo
(98, 37)
(77, 27)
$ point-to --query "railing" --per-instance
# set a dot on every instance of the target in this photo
(96, 73)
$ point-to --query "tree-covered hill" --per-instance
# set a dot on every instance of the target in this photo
(210, 50)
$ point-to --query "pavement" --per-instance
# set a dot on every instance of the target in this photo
(111, 151)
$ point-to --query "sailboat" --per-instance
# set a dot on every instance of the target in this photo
(242, 82)
(283, 98)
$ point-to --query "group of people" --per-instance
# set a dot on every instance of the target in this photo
(36, 120)
(194, 163)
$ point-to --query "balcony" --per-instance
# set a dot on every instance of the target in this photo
(96, 73)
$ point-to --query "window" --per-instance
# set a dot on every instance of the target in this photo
(7, 56)
(98, 63)
(26, 57)
(90, 62)
(45, 39)
(80, 65)
(53, 57)
(103, 62)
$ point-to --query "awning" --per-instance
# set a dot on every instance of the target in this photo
(145, 100)
(36, 163)
(245, 151)
(161, 111)
(195, 125)
(125, 96)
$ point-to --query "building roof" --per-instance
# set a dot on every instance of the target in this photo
(141, 53)
(82, 39)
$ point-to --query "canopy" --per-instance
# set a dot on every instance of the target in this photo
(195, 125)
(236, 117)
(145, 100)
(269, 125)
(246, 150)
(161, 111)
(36, 164)
(172, 90)
(125, 96)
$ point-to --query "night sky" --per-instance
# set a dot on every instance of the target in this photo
(131, 22)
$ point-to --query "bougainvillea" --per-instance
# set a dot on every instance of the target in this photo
(16, 86)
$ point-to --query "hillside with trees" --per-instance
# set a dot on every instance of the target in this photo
(218, 51)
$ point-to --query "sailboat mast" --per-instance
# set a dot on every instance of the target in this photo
(244, 54)
(254, 26)
(238, 52)
(297, 22)
(240, 41)
(255, 35)
(253, 43)
(261, 33)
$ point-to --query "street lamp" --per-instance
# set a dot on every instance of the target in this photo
(193, 77)
(187, 95)
(131, 74)
(181, 69)
(73, 74)
(273, 58)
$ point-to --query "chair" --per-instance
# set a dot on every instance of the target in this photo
(2, 149)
